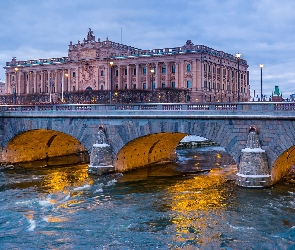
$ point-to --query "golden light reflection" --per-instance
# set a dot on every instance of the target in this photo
(60, 179)
(195, 202)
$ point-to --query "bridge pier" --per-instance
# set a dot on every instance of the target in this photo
(253, 171)
(101, 156)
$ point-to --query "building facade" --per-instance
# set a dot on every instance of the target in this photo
(208, 74)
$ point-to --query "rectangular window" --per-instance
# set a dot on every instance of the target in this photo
(153, 85)
(117, 72)
(163, 70)
(101, 87)
(102, 73)
(74, 74)
(125, 86)
(125, 72)
(12, 78)
(172, 68)
(117, 86)
(134, 71)
(74, 88)
(188, 84)
(173, 85)
(188, 68)
(134, 86)
(144, 86)
(163, 85)
(218, 70)
(144, 71)
(205, 84)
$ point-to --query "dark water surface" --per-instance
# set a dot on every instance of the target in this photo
(179, 205)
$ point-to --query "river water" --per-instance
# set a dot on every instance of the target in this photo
(191, 204)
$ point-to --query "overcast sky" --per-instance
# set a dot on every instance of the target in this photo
(263, 31)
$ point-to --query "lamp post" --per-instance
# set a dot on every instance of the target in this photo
(152, 83)
(261, 66)
(238, 58)
(111, 83)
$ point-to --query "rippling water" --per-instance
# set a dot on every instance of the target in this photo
(191, 204)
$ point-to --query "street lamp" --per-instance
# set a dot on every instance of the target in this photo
(152, 83)
(238, 58)
(111, 83)
(261, 66)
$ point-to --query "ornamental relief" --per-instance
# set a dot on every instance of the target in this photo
(87, 77)
(188, 75)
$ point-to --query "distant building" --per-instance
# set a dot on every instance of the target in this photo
(276, 96)
(208, 74)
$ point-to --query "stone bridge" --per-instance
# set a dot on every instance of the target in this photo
(141, 134)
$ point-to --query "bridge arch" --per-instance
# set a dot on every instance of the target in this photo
(139, 142)
(40, 144)
(283, 164)
(147, 149)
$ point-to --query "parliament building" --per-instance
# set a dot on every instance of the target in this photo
(206, 74)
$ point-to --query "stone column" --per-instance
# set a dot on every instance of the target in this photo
(56, 83)
(138, 77)
(120, 77)
(128, 76)
(157, 75)
(35, 82)
(253, 169)
(8, 84)
(177, 74)
(148, 77)
(167, 80)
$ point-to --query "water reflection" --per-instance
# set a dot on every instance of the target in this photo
(196, 202)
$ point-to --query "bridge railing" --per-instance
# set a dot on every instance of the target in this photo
(216, 107)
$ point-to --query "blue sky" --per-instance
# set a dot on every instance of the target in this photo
(263, 31)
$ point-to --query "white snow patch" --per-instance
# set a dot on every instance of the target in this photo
(253, 176)
(101, 145)
(256, 150)
(191, 138)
